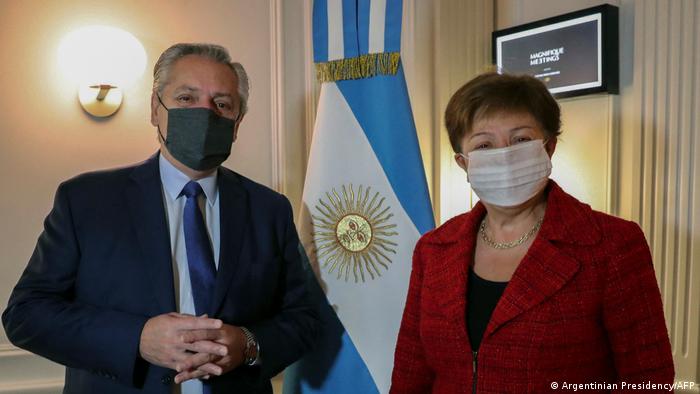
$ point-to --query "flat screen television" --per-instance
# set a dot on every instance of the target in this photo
(573, 54)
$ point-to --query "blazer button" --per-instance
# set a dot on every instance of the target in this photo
(166, 379)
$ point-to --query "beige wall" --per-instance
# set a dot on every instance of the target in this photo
(45, 137)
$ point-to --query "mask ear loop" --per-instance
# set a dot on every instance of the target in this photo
(240, 114)
(158, 127)
(161, 102)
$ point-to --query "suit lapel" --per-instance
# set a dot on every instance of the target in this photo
(451, 275)
(147, 211)
(233, 212)
(542, 272)
(545, 269)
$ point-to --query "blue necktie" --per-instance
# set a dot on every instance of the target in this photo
(200, 257)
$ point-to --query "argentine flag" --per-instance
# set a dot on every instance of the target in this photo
(365, 201)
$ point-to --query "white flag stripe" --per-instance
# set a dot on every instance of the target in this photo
(370, 311)
(377, 20)
(336, 47)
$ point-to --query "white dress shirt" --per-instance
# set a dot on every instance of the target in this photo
(173, 181)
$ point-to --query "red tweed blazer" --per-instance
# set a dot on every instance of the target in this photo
(582, 307)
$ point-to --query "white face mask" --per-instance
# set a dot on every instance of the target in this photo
(509, 176)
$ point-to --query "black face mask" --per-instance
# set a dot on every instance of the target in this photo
(198, 137)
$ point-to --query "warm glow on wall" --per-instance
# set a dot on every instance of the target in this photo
(100, 61)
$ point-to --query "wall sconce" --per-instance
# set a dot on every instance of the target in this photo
(101, 61)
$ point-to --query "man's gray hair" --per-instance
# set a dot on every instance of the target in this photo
(211, 51)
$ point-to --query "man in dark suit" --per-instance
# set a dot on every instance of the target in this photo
(176, 273)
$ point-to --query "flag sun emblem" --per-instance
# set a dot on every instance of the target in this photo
(352, 233)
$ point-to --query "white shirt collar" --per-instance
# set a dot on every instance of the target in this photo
(175, 180)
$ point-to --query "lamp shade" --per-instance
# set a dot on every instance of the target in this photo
(94, 55)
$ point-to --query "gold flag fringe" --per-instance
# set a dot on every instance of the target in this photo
(364, 66)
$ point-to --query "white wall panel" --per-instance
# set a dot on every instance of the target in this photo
(658, 183)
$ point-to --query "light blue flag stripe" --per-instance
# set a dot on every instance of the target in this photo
(350, 45)
(363, 25)
(320, 31)
(392, 26)
(346, 373)
(356, 19)
(371, 100)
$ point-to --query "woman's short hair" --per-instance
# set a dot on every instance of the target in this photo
(211, 51)
(490, 93)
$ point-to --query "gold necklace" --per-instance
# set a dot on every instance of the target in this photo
(507, 245)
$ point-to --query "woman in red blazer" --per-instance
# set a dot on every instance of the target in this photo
(531, 290)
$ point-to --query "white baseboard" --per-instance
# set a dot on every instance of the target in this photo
(53, 386)
(22, 372)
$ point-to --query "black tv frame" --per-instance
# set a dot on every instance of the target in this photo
(609, 52)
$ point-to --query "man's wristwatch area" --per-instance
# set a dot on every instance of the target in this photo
(252, 349)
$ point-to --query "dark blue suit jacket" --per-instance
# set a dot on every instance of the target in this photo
(102, 267)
